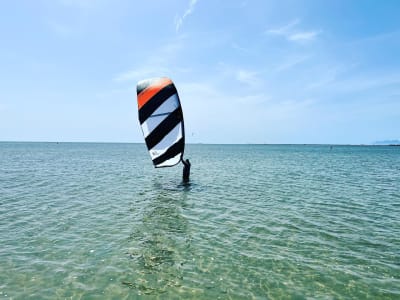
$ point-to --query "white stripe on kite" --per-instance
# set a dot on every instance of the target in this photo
(160, 114)
(172, 137)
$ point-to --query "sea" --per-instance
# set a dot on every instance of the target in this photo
(98, 221)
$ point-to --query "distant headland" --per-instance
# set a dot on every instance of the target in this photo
(388, 142)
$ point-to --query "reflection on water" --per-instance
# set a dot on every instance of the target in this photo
(159, 244)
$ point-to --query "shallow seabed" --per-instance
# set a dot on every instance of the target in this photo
(90, 221)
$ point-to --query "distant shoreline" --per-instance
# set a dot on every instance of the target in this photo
(255, 144)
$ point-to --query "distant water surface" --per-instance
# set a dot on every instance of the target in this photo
(90, 221)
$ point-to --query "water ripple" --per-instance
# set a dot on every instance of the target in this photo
(276, 222)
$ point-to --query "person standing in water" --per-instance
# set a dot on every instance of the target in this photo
(186, 170)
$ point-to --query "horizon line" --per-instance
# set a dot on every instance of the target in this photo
(205, 143)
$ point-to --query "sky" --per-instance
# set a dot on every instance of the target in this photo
(256, 71)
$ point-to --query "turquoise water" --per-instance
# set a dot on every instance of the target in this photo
(90, 221)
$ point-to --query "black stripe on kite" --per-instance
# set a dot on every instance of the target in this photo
(155, 102)
(172, 151)
(164, 128)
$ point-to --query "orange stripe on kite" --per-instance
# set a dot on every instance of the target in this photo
(151, 90)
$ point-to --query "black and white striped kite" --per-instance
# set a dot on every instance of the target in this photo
(161, 120)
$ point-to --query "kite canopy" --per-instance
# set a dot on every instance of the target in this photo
(161, 120)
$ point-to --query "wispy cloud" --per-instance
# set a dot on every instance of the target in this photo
(291, 33)
(249, 78)
(284, 30)
(141, 72)
(303, 36)
(367, 82)
(244, 76)
(179, 19)
(158, 63)
(292, 62)
(242, 50)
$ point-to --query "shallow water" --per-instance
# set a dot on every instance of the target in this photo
(256, 221)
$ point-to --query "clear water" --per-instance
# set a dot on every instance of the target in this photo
(90, 221)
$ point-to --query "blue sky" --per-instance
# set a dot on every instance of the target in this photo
(247, 71)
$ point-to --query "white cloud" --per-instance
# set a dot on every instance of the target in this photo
(141, 72)
(265, 110)
(291, 33)
(291, 62)
(303, 36)
(242, 50)
(247, 77)
(189, 11)
(158, 63)
(367, 82)
(284, 30)
(197, 98)
(383, 37)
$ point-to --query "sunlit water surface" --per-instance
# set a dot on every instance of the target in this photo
(97, 221)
